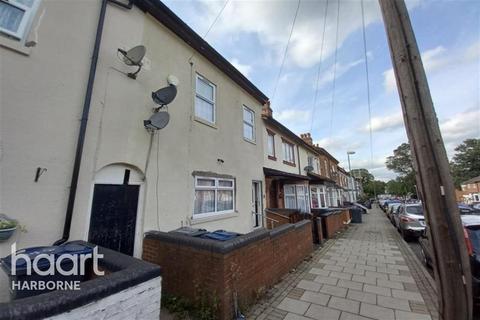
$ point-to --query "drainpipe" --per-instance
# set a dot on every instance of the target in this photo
(83, 127)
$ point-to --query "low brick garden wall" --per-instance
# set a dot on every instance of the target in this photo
(196, 268)
(336, 222)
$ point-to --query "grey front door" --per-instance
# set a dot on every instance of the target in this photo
(257, 204)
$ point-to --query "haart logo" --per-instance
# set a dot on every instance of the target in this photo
(61, 265)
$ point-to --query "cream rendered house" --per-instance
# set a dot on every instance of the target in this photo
(204, 169)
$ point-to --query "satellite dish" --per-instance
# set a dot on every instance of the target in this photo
(308, 168)
(157, 121)
(165, 95)
(133, 57)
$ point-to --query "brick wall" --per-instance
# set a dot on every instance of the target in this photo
(248, 270)
(138, 302)
(335, 222)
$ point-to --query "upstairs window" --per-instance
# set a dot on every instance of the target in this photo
(205, 100)
(288, 153)
(271, 145)
(248, 124)
(16, 17)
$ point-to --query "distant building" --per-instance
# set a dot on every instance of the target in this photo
(470, 191)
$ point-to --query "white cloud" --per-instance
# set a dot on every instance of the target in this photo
(433, 59)
(341, 69)
(461, 126)
(243, 68)
(389, 122)
(271, 22)
(339, 144)
(293, 116)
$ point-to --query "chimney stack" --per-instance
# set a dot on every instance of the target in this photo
(307, 137)
(266, 110)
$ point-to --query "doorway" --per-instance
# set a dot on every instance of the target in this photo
(114, 220)
(257, 209)
(114, 216)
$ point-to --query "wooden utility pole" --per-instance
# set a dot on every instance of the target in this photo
(451, 263)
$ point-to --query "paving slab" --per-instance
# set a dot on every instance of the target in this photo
(322, 313)
(365, 273)
(376, 312)
(316, 298)
(293, 305)
(344, 304)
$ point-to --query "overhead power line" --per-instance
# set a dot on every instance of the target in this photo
(211, 25)
(334, 70)
(368, 90)
(285, 52)
(319, 66)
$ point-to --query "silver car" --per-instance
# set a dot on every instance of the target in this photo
(410, 221)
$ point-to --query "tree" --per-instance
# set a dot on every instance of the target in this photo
(401, 186)
(363, 175)
(374, 187)
(465, 164)
(401, 161)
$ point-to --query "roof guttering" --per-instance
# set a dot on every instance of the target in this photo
(280, 127)
(170, 20)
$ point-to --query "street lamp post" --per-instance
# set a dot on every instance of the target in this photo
(348, 156)
(350, 172)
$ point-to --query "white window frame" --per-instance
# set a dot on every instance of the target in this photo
(286, 144)
(215, 188)
(207, 100)
(271, 135)
(305, 195)
(29, 14)
(319, 195)
(246, 123)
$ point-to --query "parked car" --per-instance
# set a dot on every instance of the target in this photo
(392, 209)
(466, 209)
(471, 227)
(410, 221)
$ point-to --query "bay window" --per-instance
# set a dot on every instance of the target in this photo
(296, 197)
(213, 196)
(318, 199)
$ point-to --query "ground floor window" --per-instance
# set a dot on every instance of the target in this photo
(213, 195)
(318, 199)
(296, 197)
(332, 197)
(476, 197)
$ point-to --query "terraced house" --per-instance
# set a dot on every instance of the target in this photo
(299, 175)
(102, 171)
(99, 172)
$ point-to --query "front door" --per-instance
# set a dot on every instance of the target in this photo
(257, 204)
(114, 216)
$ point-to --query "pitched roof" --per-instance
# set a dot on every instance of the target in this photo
(473, 180)
(170, 20)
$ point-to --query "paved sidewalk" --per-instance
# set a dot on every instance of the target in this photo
(367, 273)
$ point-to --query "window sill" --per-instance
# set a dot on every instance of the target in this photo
(14, 45)
(250, 141)
(205, 122)
(214, 218)
(272, 158)
(289, 163)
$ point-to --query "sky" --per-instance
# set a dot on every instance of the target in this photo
(253, 36)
